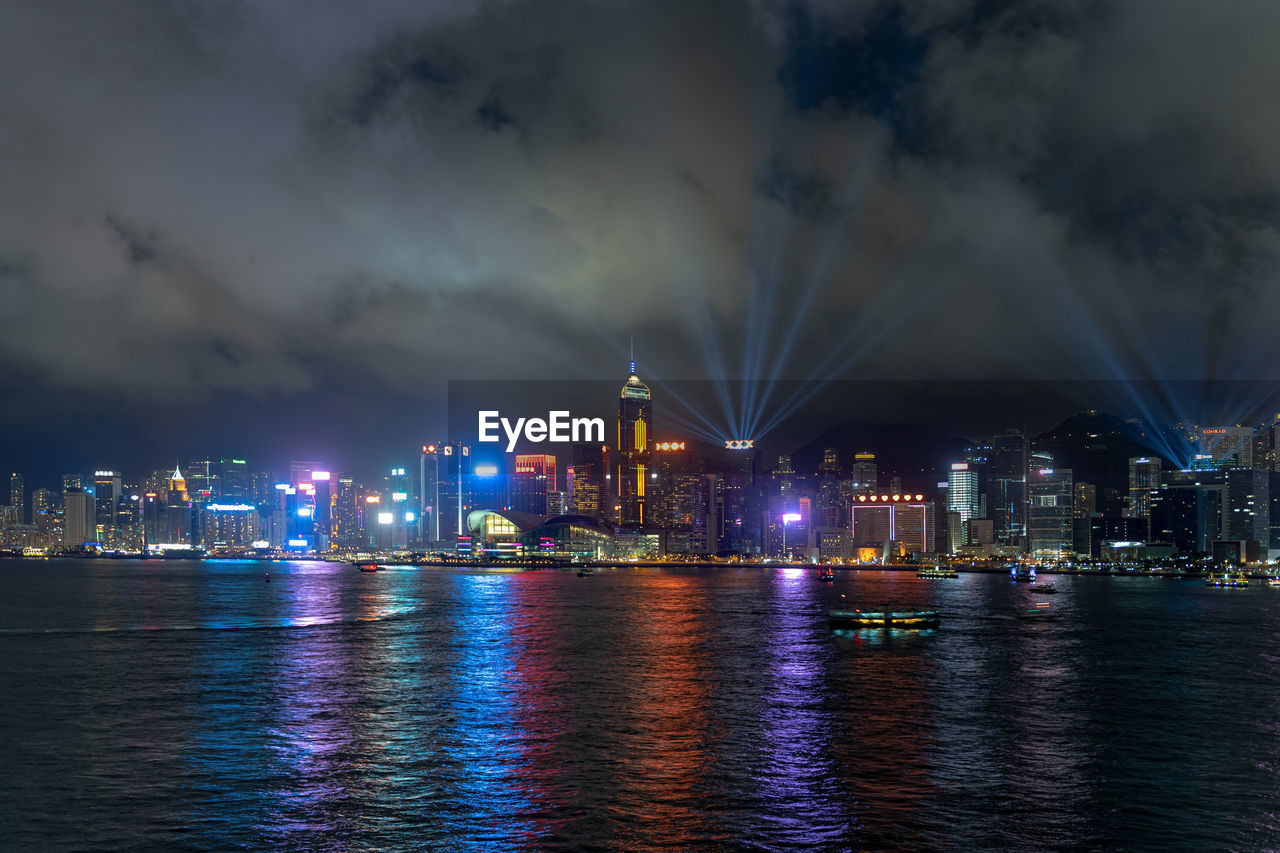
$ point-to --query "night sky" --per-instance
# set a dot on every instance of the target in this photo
(280, 228)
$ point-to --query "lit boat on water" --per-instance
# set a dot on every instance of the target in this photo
(1273, 581)
(826, 574)
(1022, 574)
(1226, 580)
(938, 573)
(909, 619)
(1044, 588)
(1040, 611)
(585, 573)
(367, 567)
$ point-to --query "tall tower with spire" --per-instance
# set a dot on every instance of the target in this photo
(635, 421)
(177, 486)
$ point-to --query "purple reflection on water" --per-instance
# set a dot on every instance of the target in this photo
(798, 778)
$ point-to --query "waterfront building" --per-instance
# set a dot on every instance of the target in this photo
(1051, 506)
(899, 523)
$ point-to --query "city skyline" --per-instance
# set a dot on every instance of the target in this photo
(1190, 491)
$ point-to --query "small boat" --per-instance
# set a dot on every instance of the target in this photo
(1044, 588)
(1226, 580)
(826, 574)
(585, 573)
(1040, 611)
(910, 619)
(367, 567)
(939, 573)
(1273, 581)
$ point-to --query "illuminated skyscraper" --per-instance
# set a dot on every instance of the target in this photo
(322, 482)
(585, 481)
(106, 494)
(1223, 447)
(346, 524)
(533, 480)
(1051, 505)
(635, 422)
(428, 493)
(962, 491)
(177, 487)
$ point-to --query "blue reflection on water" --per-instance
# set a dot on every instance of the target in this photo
(482, 745)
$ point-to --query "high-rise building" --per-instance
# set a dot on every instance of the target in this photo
(829, 513)
(18, 496)
(454, 489)
(1051, 506)
(322, 486)
(46, 516)
(1222, 447)
(80, 518)
(1144, 478)
(429, 493)
(202, 481)
(585, 482)
(177, 492)
(533, 480)
(635, 426)
(962, 491)
(1007, 486)
(230, 525)
(864, 473)
(743, 506)
(1086, 500)
(681, 501)
(1188, 514)
(106, 495)
(1194, 508)
(345, 527)
(235, 481)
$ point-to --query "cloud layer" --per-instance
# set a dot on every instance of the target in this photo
(291, 198)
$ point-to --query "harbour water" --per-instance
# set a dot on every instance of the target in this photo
(197, 706)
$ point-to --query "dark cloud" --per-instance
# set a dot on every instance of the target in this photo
(296, 198)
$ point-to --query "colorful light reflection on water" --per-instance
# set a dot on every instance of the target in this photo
(197, 705)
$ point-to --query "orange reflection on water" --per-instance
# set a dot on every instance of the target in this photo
(665, 737)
